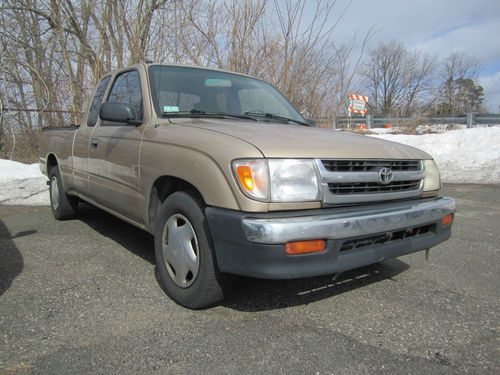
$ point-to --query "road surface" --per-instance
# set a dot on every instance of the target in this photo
(81, 297)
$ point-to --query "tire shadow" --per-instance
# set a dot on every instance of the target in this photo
(11, 260)
(252, 295)
(135, 240)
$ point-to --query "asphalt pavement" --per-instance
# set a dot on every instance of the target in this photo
(81, 296)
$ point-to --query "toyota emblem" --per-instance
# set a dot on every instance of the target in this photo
(385, 175)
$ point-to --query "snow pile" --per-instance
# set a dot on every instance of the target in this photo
(381, 130)
(22, 184)
(423, 129)
(440, 128)
(463, 156)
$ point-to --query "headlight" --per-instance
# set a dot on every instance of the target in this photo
(432, 180)
(278, 180)
(293, 180)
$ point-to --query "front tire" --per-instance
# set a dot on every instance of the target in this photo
(185, 258)
(63, 206)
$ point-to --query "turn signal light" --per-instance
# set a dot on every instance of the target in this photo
(305, 247)
(447, 220)
(245, 176)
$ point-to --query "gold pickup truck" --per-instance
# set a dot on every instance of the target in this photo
(231, 179)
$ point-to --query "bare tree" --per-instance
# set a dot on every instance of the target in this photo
(307, 63)
(417, 81)
(384, 77)
(56, 50)
(278, 42)
(459, 91)
(396, 77)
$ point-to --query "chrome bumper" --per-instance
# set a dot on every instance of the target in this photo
(347, 224)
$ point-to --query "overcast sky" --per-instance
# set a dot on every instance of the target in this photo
(436, 26)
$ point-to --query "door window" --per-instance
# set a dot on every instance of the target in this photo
(96, 102)
(127, 89)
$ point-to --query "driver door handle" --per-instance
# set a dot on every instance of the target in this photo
(94, 142)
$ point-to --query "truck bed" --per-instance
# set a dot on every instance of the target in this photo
(57, 140)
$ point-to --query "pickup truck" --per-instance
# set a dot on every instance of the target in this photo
(229, 178)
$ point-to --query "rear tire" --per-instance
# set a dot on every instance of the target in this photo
(63, 206)
(185, 256)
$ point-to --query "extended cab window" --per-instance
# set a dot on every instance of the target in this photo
(127, 89)
(96, 102)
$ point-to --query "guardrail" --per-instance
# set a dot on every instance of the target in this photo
(370, 121)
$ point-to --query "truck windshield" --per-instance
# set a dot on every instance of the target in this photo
(186, 91)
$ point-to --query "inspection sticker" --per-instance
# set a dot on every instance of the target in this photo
(170, 108)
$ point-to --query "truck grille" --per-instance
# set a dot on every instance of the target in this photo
(373, 187)
(355, 181)
(368, 165)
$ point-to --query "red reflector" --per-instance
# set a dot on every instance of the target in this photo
(304, 247)
(447, 220)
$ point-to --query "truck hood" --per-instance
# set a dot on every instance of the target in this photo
(276, 140)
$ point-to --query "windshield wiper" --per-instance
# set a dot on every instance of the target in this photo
(236, 116)
(198, 113)
(275, 117)
(249, 115)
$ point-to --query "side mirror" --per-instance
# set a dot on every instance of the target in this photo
(118, 112)
(310, 122)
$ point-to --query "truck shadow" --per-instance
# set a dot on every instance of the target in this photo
(248, 294)
(251, 295)
(131, 238)
(11, 260)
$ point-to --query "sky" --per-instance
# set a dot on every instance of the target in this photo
(434, 26)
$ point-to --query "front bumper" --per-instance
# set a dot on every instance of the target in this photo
(252, 244)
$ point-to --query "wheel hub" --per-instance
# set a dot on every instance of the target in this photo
(180, 250)
(54, 193)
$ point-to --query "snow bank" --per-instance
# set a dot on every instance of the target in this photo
(422, 129)
(22, 184)
(381, 130)
(463, 156)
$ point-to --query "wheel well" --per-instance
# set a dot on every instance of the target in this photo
(162, 188)
(51, 162)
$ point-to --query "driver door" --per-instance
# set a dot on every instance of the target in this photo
(114, 152)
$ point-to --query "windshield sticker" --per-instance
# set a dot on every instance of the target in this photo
(170, 108)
